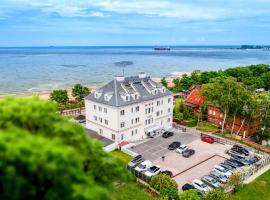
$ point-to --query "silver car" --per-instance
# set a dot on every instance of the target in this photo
(219, 177)
(212, 182)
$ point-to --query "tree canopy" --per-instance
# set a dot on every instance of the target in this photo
(39, 119)
(79, 92)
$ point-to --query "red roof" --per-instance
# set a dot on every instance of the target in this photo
(195, 98)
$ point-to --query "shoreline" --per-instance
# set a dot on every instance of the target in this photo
(45, 94)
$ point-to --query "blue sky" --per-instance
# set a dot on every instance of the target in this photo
(134, 22)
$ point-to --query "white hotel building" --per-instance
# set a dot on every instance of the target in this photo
(129, 108)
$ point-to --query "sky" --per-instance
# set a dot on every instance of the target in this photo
(133, 22)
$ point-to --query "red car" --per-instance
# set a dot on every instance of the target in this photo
(208, 140)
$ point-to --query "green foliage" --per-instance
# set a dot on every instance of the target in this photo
(40, 119)
(121, 155)
(235, 180)
(166, 186)
(215, 194)
(79, 92)
(259, 189)
(164, 82)
(191, 122)
(189, 195)
(33, 167)
(206, 127)
(60, 97)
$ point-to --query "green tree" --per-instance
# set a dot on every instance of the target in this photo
(235, 180)
(166, 186)
(164, 82)
(32, 167)
(189, 195)
(215, 194)
(39, 117)
(79, 92)
(60, 97)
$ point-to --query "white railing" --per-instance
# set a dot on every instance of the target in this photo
(128, 149)
(110, 147)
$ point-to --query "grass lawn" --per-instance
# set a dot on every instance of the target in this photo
(131, 190)
(123, 156)
(206, 127)
(259, 189)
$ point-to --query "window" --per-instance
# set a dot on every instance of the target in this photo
(99, 108)
(106, 121)
(113, 136)
(146, 111)
(157, 113)
(100, 119)
(169, 100)
(149, 110)
(169, 119)
(137, 108)
(137, 120)
(95, 118)
(131, 110)
(127, 98)
(105, 110)
(95, 107)
(132, 133)
(100, 131)
(136, 131)
(122, 125)
(169, 110)
(158, 103)
(122, 136)
(146, 122)
(132, 121)
(149, 121)
(122, 112)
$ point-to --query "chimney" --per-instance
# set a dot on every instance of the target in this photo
(142, 75)
(119, 78)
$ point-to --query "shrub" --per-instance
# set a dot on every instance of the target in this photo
(191, 122)
(189, 195)
(166, 186)
(216, 194)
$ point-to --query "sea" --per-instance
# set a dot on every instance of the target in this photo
(36, 69)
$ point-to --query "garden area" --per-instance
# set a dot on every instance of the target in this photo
(207, 127)
(259, 189)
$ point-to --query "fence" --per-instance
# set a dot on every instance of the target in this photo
(73, 112)
(128, 149)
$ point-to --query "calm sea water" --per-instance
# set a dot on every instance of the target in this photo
(45, 68)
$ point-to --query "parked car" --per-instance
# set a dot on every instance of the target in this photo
(211, 181)
(188, 152)
(145, 165)
(232, 152)
(136, 161)
(228, 167)
(230, 163)
(152, 171)
(240, 160)
(167, 172)
(187, 186)
(240, 149)
(237, 162)
(167, 134)
(222, 171)
(219, 177)
(201, 186)
(182, 148)
(174, 145)
(208, 140)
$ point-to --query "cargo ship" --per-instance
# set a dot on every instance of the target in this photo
(162, 48)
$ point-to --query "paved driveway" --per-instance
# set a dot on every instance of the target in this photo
(157, 147)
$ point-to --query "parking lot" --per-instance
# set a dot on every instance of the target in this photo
(184, 170)
(157, 147)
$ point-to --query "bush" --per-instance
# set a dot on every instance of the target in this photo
(189, 195)
(216, 194)
(166, 186)
(191, 122)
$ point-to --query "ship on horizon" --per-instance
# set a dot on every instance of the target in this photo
(162, 48)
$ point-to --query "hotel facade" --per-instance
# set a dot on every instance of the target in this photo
(129, 109)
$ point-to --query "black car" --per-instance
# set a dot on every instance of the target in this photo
(136, 161)
(227, 167)
(167, 172)
(174, 145)
(240, 149)
(230, 163)
(187, 153)
(167, 134)
(239, 164)
(188, 186)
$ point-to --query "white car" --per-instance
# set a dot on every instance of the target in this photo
(145, 165)
(182, 148)
(201, 186)
(152, 171)
(221, 170)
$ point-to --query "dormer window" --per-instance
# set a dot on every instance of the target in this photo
(127, 98)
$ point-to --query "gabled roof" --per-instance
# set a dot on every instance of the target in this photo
(129, 86)
(195, 98)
